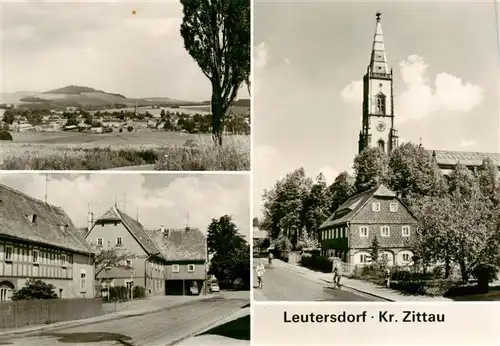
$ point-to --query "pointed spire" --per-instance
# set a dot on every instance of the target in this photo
(378, 61)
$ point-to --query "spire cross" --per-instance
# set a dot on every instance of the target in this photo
(378, 14)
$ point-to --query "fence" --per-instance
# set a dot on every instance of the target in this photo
(34, 312)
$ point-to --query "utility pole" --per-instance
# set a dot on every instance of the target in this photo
(124, 202)
(46, 186)
(137, 214)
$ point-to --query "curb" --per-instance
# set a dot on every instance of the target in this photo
(212, 325)
(363, 292)
(99, 319)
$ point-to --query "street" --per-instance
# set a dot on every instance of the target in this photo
(283, 284)
(160, 328)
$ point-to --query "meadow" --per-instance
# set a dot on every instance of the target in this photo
(162, 150)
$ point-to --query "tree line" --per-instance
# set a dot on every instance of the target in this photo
(457, 214)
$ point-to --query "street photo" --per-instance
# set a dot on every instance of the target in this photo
(129, 259)
(121, 85)
(376, 156)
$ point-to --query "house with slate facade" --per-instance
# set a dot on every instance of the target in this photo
(349, 232)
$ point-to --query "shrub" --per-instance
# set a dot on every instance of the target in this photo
(120, 130)
(118, 293)
(35, 289)
(130, 129)
(423, 287)
(313, 261)
(139, 292)
(5, 136)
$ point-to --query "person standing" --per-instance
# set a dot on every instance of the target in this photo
(260, 274)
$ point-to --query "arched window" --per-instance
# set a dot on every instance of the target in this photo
(381, 145)
(380, 103)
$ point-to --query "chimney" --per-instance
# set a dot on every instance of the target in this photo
(162, 229)
(90, 220)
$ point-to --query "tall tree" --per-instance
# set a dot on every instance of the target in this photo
(231, 253)
(340, 190)
(488, 179)
(217, 35)
(413, 173)
(316, 206)
(223, 236)
(370, 167)
(284, 205)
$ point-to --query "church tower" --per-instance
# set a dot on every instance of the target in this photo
(377, 128)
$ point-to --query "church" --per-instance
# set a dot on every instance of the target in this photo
(378, 121)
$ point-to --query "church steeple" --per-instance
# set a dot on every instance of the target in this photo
(378, 61)
(377, 126)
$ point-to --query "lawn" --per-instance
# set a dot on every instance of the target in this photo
(83, 151)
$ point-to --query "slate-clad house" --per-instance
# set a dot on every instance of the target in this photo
(186, 254)
(146, 266)
(349, 232)
(38, 240)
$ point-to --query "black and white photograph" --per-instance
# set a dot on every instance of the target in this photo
(129, 259)
(376, 152)
(151, 85)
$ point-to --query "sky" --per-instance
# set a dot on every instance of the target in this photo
(309, 59)
(48, 45)
(171, 200)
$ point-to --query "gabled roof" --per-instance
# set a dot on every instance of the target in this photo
(354, 204)
(181, 244)
(51, 226)
(451, 158)
(134, 227)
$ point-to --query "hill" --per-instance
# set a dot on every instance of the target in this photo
(84, 97)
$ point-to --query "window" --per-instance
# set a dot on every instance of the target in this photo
(190, 268)
(63, 261)
(364, 258)
(35, 256)
(376, 206)
(128, 263)
(83, 281)
(99, 241)
(8, 253)
(363, 232)
(380, 102)
(175, 268)
(119, 241)
(406, 257)
(393, 207)
(385, 232)
(381, 145)
(406, 231)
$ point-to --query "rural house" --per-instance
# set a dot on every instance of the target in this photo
(349, 232)
(145, 267)
(186, 253)
(39, 241)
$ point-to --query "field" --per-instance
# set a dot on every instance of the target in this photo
(84, 151)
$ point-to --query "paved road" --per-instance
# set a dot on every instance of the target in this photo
(282, 283)
(160, 328)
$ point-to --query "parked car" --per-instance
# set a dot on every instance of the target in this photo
(214, 287)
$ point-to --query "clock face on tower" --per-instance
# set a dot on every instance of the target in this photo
(380, 126)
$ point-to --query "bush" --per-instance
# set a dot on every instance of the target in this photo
(5, 136)
(120, 130)
(423, 287)
(118, 293)
(404, 275)
(139, 292)
(35, 289)
(313, 261)
(130, 129)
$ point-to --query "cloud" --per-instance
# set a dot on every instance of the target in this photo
(261, 55)
(352, 92)
(467, 143)
(420, 98)
(169, 200)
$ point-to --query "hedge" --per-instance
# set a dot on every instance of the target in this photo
(317, 262)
